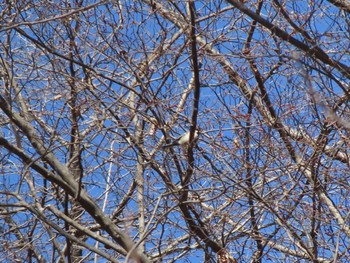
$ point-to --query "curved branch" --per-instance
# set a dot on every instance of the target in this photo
(314, 52)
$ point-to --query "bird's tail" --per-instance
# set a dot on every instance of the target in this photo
(169, 145)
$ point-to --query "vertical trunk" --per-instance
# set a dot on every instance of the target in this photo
(139, 173)
(73, 208)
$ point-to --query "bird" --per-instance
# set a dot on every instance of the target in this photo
(183, 139)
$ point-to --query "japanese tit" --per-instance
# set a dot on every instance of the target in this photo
(183, 139)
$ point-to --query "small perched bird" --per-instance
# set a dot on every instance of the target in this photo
(183, 139)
